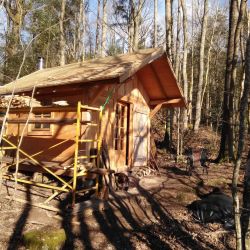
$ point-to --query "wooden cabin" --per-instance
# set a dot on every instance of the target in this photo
(130, 88)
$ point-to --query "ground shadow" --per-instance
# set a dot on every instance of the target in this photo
(177, 171)
(122, 228)
(16, 237)
(66, 213)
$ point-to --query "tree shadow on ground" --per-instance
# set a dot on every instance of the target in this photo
(177, 171)
(122, 229)
(67, 222)
(16, 236)
(171, 225)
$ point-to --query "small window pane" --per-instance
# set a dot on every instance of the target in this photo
(39, 126)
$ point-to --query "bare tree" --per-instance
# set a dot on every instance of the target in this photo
(137, 19)
(201, 68)
(80, 31)
(191, 83)
(62, 35)
(226, 143)
(97, 38)
(233, 83)
(209, 56)
(82, 18)
(155, 22)
(246, 196)
(16, 12)
(178, 30)
(104, 28)
(242, 132)
(184, 63)
(168, 21)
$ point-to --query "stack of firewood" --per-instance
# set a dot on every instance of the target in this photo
(17, 101)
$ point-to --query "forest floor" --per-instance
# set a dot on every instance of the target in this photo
(151, 215)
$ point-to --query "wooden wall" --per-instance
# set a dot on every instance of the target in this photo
(131, 93)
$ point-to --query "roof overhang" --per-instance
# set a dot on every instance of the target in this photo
(160, 84)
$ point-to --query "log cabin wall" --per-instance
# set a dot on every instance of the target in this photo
(131, 96)
(128, 102)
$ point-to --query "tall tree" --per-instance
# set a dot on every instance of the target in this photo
(128, 15)
(137, 20)
(191, 83)
(104, 29)
(201, 67)
(177, 46)
(130, 20)
(246, 198)
(80, 29)
(241, 140)
(81, 34)
(168, 22)
(233, 83)
(226, 143)
(62, 33)
(16, 11)
(155, 44)
(184, 63)
(97, 36)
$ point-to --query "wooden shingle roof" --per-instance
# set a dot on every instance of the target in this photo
(120, 68)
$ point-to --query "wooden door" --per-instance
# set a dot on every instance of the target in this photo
(140, 126)
(121, 134)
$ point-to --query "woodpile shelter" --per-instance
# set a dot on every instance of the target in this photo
(58, 117)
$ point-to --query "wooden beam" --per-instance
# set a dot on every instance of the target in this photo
(42, 109)
(57, 88)
(167, 101)
(155, 110)
(41, 121)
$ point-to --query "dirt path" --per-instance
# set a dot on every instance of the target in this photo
(150, 216)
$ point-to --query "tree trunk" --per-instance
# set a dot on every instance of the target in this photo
(201, 68)
(242, 131)
(97, 38)
(226, 130)
(177, 56)
(190, 94)
(208, 57)
(246, 207)
(155, 44)
(104, 29)
(62, 35)
(131, 25)
(80, 31)
(234, 70)
(137, 20)
(243, 119)
(15, 15)
(184, 64)
(168, 21)
(83, 26)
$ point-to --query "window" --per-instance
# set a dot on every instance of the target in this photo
(39, 128)
(42, 126)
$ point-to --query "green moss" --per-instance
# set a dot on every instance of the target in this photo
(184, 197)
(45, 238)
(220, 182)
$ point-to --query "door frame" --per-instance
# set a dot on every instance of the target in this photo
(117, 138)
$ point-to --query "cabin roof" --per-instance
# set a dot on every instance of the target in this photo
(151, 66)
